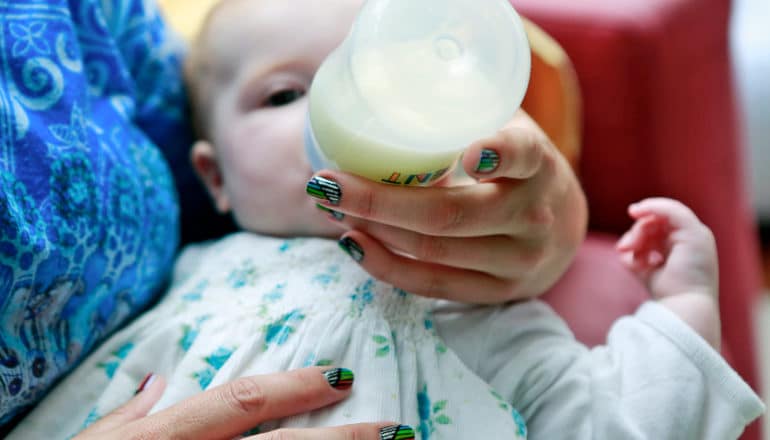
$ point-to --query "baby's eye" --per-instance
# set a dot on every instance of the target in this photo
(284, 97)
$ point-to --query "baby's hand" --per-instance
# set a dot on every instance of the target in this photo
(670, 249)
(675, 255)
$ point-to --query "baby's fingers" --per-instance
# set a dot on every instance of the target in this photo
(677, 214)
(646, 232)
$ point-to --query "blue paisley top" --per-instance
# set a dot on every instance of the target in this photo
(88, 212)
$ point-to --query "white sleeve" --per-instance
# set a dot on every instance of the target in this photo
(655, 379)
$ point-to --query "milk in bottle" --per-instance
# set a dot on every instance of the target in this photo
(413, 84)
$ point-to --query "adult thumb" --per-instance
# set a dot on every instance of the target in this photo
(147, 394)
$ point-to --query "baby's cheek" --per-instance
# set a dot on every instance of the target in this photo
(272, 200)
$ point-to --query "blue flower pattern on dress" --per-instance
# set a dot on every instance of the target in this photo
(88, 210)
(521, 424)
(430, 415)
(245, 275)
(214, 362)
(196, 293)
(361, 298)
(331, 275)
(92, 417)
(111, 365)
(190, 332)
(276, 294)
(276, 333)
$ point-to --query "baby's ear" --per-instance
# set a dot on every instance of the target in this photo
(204, 160)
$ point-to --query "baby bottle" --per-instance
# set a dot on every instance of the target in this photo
(413, 84)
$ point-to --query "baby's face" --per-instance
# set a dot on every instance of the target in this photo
(265, 54)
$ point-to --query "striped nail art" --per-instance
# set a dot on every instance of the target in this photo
(397, 432)
(324, 189)
(146, 382)
(340, 378)
(488, 161)
(352, 248)
(334, 214)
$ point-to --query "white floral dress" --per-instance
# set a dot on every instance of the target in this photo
(249, 304)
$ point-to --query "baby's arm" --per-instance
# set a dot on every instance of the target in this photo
(675, 255)
(654, 379)
(658, 376)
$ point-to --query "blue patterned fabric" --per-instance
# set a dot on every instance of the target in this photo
(88, 212)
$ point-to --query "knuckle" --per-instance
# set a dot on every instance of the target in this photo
(533, 152)
(448, 217)
(354, 433)
(367, 204)
(245, 394)
(527, 154)
(539, 217)
(549, 164)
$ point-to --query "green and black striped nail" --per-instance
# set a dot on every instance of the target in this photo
(397, 432)
(324, 189)
(340, 378)
(334, 214)
(352, 248)
(488, 161)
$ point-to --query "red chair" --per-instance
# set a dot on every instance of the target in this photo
(659, 118)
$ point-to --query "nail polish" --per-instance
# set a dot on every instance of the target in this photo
(340, 378)
(352, 248)
(397, 432)
(488, 161)
(336, 215)
(324, 189)
(146, 382)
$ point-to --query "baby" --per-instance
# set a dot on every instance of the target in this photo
(255, 303)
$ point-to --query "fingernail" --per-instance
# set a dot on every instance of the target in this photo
(324, 189)
(340, 378)
(146, 382)
(397, 432)
(488, 161)
(352, 248)
(624, 241)
(336, 215)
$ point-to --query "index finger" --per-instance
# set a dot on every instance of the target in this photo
(361, 431)
(482, 209)
(235, 407)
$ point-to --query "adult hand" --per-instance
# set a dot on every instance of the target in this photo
(229, 410)
(506, 233)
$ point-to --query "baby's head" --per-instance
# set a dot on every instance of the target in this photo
(248, 73)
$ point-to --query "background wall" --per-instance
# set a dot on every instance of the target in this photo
(750, 41)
